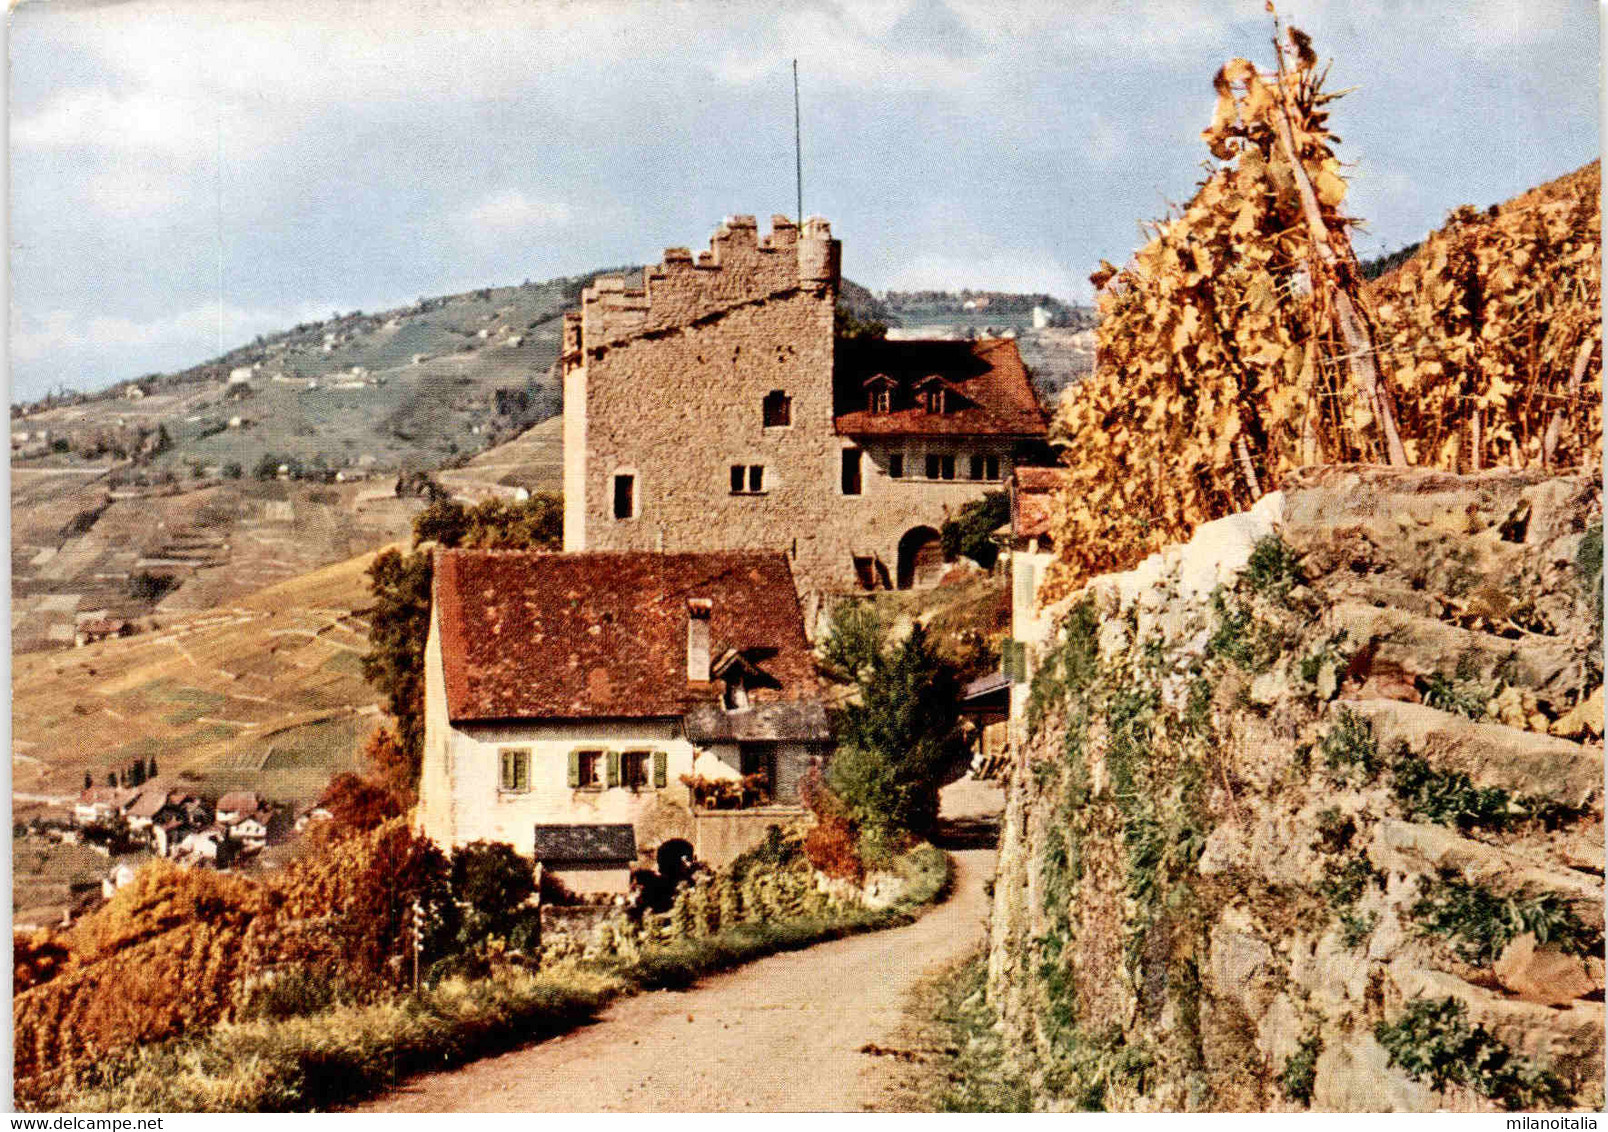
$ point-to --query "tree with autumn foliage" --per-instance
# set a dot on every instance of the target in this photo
(1241, 341)
(399, 620)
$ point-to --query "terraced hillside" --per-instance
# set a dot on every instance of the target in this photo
(83, 550)
(263, 693)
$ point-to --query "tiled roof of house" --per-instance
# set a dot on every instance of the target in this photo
(240, 802)
(1033, 497)
(151, 802)
(118, 796)
(585, 844)
(985, 377)
(603, 634)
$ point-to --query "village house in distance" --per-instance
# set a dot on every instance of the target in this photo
(713, 408)
(568, 695)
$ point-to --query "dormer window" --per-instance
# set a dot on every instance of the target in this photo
(736, 698)
(935, 399)
(879, 393)
(932, 396)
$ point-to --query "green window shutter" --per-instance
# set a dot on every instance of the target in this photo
(574, 768)
(661, 769)
(503, 771)
(1007, 660)
(521, 770)
(614, 769)
(1014, 655)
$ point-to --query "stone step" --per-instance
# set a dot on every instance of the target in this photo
(1568, 1041)
(1520, 762)
(1410, 849)
(1530, 507)
(1554, 670)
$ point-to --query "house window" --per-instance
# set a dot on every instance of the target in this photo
(850, 481)
(881, 400)
(635, 767)
(935, 399)
(778, 409)
(940, 466)
(586, 770)
(896, 466)
(625, 496)
(985, 467)
(514, 777)
(748, 479)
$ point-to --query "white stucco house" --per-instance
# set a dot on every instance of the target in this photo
(567, 696)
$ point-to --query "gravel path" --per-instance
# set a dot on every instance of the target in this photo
(798, 1032)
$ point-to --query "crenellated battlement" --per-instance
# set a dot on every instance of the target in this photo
(740, 266)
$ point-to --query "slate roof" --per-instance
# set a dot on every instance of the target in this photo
(988, 376)
(799, 721)
(585, 844)
(603, 634)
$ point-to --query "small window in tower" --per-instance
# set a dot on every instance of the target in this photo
(896, 466)
(778, 409)
(850, 481)
(748, 479)
(625, 496)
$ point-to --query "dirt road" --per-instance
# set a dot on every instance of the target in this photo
(783, 1034)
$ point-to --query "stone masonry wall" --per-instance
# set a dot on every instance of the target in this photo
(667, 384)
(1311, 812)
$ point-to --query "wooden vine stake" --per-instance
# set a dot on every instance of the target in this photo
(1358, 340)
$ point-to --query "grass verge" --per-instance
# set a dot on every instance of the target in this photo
(350, 1052)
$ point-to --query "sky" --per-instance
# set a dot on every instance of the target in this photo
(191, 171)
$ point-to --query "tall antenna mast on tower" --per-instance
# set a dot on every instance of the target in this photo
(798, 148)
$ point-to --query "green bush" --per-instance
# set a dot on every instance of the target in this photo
(1349, 747)
(1344, 882)
(971, 533)
(1301, 1070)
(854, 641)
(1273, 569)
(1433, 1042)
(1450, 797)
(1460, 697)
(899, 740)
(1481, 923)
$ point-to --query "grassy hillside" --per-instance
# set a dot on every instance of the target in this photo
(263, 694)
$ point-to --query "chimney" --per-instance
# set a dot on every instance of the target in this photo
(698, 611)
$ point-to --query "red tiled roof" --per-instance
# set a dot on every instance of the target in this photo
(604, 633)
(240, 802)
(1035, 490)
(1029, 480)
(988, 374)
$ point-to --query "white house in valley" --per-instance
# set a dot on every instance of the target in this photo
(568, 696)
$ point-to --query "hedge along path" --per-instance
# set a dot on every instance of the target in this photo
(1241, 342)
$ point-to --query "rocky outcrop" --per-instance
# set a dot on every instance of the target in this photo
(1311, 812)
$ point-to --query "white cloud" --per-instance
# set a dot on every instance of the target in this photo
(1024, 270)
(512, 211)
(191, 334)
(141, 120)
